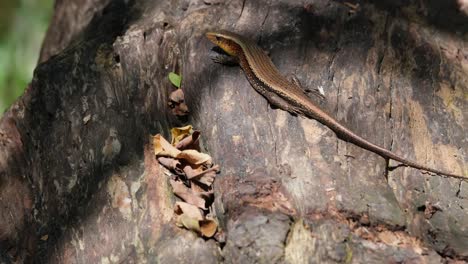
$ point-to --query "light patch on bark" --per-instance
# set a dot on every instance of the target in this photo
(302, 177)
(313, 131)
(120, 196)
(449, 96)
(425, 150)
(135, 186)
(451, 163)
(347, 90)
(419, 133)
(281, 118)
(300, 244)
(227, 102)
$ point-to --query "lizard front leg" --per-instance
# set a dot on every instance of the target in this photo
(219, 56)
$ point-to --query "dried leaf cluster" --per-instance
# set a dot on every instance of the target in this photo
(194, 174)
(177, 103)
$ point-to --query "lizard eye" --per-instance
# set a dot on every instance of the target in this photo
(218, 38)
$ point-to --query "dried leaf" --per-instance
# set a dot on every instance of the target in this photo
(188, 222)
(208, 176)
(208, 196)
(204, 176)
(194, 157)
(192, 170)
(179, 133)
(169, 163)
(188, 195)
(177, 96)
(177, 103)
(201, 188)
(188, 209)
(163, 148)
(190, 217)
(214, 169)
(180, 109)
(208, 227)
(190, 142)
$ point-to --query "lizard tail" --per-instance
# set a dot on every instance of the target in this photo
(413, 164)
(346, 134)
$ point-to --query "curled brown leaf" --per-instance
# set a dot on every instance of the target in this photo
(179, 133)
(190, 217)
(188, 195)
(188, 222)
(190, 142)
(163, 148)
(169, 163)
(172, 164)
(203, 176)
(188, 209)
(208, 227)
(177, 96)
(177, 103)
(194, 157)
(192, 170)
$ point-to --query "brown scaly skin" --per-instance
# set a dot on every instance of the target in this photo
(267, 80)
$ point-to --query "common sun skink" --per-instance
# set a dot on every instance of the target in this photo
(268, 81)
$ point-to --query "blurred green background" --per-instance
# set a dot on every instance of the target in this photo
(23, 24)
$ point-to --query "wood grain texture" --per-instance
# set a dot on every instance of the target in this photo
(393, 74)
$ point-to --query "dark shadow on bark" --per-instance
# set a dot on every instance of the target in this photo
(56, 214)
(443, 15)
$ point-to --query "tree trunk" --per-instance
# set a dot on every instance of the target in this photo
(289, 190)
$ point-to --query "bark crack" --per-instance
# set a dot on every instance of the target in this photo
(275, 147)
(459, 189)
(392, 127)
(382, 55)
(264, 20)
(331, 78)
(242, 9)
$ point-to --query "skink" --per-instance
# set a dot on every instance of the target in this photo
(268, 81)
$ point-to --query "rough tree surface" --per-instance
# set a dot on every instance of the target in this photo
(79, 183)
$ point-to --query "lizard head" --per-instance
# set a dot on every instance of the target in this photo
(227, 41)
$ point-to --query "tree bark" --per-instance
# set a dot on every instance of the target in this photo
(289, 190)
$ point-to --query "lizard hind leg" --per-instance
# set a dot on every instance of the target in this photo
(277, 102)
